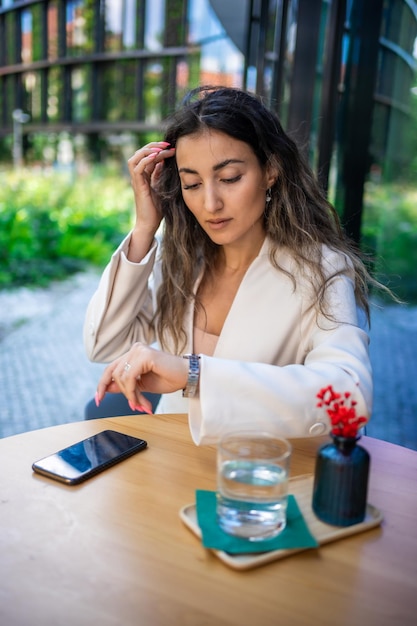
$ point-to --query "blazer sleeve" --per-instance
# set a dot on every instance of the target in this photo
(120, 311)
(243, 395)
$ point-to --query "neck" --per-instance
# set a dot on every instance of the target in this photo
(235, 259)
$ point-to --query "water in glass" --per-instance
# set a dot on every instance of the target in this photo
(252, 498)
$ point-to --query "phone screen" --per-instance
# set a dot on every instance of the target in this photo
(86, 458)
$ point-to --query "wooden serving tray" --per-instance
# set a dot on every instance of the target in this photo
(302, 488)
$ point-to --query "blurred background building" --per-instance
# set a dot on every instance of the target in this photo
(91, 80)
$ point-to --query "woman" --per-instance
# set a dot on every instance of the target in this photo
(254, 280)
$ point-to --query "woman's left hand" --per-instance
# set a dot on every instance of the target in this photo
(143, 369)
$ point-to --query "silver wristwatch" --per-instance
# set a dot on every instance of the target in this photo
(191, 387)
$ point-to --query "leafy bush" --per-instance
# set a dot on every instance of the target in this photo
(389, 231)
(52, 225)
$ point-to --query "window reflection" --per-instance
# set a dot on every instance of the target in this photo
(26, 17)
(119, 85)
(52, 29)
(32, 84)
(153, 92)
(129, 19)
(80, 87)
(55, 93)
(6, 102)
(120, 24)
(8, 96)
(79, 26)
(154, 24)
(10, 36)
(32, 34)
(113, 25)
(221, 62)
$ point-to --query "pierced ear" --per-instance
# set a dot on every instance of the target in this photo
(271, 177)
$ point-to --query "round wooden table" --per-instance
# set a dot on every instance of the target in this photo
(114, 551)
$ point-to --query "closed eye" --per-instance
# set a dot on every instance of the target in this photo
(228, 181)
(235, 179)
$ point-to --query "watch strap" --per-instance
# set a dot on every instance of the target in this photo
(190, 389)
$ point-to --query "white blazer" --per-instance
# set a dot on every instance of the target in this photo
(274, 354)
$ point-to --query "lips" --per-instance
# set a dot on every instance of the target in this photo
(218, 223)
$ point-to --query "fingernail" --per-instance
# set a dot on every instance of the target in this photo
(144, 409)
(164, 143)
(96, 399)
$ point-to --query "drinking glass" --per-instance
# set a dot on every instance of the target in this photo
(252, 484)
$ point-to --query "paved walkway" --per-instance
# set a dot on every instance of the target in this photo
(45, 376)
(46, 379)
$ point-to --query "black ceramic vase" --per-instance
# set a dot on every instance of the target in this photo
(341, 482)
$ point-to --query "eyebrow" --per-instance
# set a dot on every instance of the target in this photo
(216, 168)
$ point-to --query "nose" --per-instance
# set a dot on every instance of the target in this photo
(212, 199)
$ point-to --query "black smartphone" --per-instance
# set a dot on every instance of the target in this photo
(87, 458)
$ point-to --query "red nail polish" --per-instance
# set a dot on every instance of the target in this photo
(144, 409)
(96, 399)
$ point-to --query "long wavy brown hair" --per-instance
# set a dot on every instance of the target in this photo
(298, 217)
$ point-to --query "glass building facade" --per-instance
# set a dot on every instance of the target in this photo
(107, 65)
(103, 74)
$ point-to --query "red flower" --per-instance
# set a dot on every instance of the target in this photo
(342, 414)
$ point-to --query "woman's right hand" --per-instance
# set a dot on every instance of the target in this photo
(140, 369)
(145, 168)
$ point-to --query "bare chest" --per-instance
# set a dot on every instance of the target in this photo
(216, 298)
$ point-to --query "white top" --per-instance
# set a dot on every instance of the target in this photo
(274, 354)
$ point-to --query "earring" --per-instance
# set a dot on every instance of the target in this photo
(268, 196)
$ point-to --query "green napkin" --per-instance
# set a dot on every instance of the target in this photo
(295, 535)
